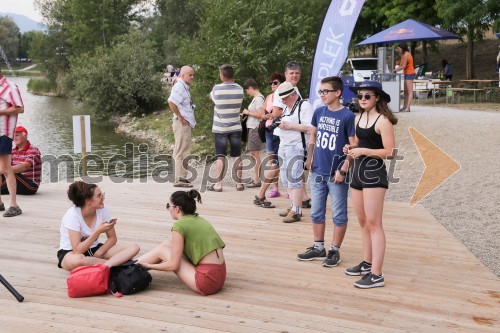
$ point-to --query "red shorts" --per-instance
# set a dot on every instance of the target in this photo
(210, 278)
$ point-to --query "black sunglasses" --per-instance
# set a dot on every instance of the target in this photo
(325, 91)
(168, 206)
(366, 96)
(274, 82)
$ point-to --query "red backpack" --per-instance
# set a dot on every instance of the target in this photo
(88, 281)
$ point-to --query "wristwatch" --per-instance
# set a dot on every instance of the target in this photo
(342, 173)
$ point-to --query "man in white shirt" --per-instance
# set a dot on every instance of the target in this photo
(294, 127)
(183, 122)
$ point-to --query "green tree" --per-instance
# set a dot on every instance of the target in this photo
(397, 11)
(25, 42)
(9, 37)
(176, 20)
(120, 79)
(470, 18)
(257, 37)
(92, 23)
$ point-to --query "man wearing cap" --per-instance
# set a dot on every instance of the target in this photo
(26, 164)
(294, 127)
(183, 122)
(11, 104)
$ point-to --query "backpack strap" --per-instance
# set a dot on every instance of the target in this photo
(302, 135)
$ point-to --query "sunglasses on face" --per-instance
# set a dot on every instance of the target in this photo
(274, 82)
(325, 91)
(168, 206)
(366, 96)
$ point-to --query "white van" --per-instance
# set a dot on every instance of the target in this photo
(362, 68)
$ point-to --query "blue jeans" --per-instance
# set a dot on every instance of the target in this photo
(321, 186)
(272, 145)
(292, 165)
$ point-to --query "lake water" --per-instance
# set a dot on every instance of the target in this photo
(49, 121)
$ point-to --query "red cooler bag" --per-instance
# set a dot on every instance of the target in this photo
(88, 281)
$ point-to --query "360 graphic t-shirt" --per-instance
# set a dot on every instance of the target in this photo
(333, 129)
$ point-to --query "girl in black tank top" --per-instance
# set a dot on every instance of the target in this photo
(368, 178)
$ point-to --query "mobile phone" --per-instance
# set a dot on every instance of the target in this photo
(112, 220)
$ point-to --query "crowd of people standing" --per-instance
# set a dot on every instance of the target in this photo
(343, 150)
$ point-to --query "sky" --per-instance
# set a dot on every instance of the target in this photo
(22, 7)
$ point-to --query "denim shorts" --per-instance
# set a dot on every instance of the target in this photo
(272, 145)
(221, 141)
(321, 186)
(409, 76)
(5, 145)
(292, 165)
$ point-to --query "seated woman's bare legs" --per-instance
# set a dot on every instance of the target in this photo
(162, 253)
(72, 260)
(120, 253)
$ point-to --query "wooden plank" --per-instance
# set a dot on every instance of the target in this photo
(267, 289)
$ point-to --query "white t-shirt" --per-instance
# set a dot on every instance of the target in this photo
(73, 220)
(255, 105)
(291, 137)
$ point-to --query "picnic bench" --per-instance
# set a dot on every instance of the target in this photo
(457, 92)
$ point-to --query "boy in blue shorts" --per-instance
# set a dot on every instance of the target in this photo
(333, 127)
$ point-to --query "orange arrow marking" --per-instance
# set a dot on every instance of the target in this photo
(439, 166)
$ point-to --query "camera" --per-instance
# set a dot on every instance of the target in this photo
(276, 122)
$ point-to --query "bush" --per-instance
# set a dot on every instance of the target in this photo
(119, 80)
(42, 86)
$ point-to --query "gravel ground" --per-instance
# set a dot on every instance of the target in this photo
(467, 204)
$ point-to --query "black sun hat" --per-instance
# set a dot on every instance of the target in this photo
(372, 85)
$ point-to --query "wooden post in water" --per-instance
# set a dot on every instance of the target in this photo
(84, 146)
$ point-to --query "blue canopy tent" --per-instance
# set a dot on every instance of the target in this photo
(408, 31)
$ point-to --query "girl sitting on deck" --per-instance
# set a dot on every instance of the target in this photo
(195, 252)
(81, 227)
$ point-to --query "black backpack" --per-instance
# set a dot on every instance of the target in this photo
(129, 278)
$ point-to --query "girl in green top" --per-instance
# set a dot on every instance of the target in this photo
(195, 252)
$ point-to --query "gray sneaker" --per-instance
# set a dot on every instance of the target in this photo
(361, 269)
(370, 280)
(332, 259)
(312, 253)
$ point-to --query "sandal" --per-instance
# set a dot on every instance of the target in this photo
(274, 193)
(306, 203)
(259, 201)
(252, 184)
(13, 211)
(240, 188)
(267, 204)
(213, 189)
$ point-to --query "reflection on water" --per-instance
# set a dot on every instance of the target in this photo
(49, 121)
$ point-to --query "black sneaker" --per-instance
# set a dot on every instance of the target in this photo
(312, 253)
(361, 269)
(370, 281)
(332, 259)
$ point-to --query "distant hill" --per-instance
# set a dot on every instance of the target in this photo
(24, 23)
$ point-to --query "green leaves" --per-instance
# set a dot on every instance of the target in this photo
(120, 79)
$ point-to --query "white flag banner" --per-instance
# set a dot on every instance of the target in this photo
(333, 43)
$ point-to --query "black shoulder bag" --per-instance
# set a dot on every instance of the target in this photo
(129, 278)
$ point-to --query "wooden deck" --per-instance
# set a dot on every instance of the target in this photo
(433, 283)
